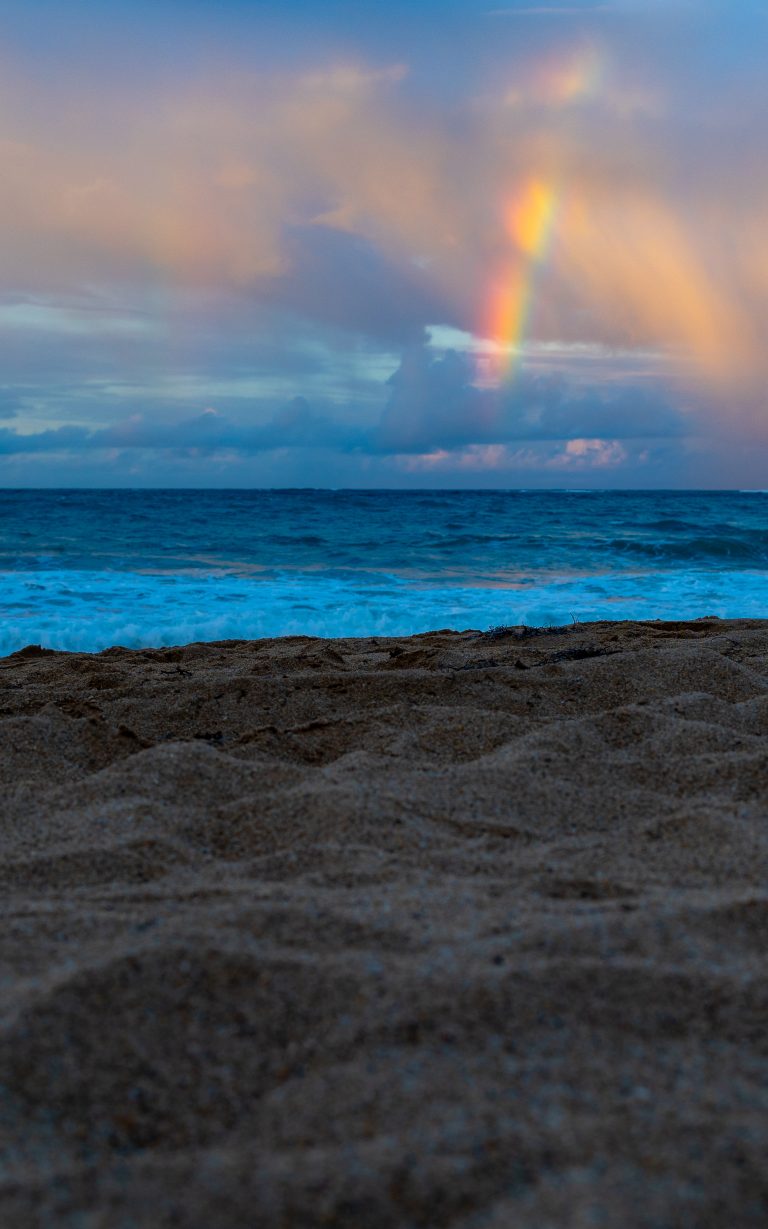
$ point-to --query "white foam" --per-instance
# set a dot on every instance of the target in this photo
(94, 610)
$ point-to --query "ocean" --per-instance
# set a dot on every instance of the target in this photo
(83, 570)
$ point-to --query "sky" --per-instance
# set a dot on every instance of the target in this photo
(467, 243)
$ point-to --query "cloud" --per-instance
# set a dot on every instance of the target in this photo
(574, 456)
(334, 197)
(435, 403)
(294, 426)
(9, 405)
(287, 230)
(432, 408)
(388, 298)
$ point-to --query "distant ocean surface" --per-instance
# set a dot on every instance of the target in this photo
(90, 569)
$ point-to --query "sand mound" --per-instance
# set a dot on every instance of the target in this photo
(459, 930)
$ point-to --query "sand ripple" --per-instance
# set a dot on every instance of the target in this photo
(463, 930)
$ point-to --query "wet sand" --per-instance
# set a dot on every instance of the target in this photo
(460, 930)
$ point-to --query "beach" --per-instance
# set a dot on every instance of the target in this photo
(461, 929)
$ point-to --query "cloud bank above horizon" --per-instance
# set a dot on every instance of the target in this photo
(469, 245)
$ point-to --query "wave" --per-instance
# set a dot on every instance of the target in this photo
(91, 611)
(747, 550)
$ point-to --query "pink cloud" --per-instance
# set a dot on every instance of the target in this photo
(590, 454)
(576, 454)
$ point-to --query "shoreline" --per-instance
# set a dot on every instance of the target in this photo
(512, 632)
(455, 929)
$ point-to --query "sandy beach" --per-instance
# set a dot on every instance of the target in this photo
(465, 929)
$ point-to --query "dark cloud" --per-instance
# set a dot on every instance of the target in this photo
(293, 426)
(61, 439)
(434, 403)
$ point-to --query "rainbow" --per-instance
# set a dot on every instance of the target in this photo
(531, 215)
(530, 221)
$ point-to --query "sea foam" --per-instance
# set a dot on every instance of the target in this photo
(90, 611)
(84, 570)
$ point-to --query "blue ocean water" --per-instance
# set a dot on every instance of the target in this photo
(90, 569)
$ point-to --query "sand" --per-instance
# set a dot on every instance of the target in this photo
(458, 930)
